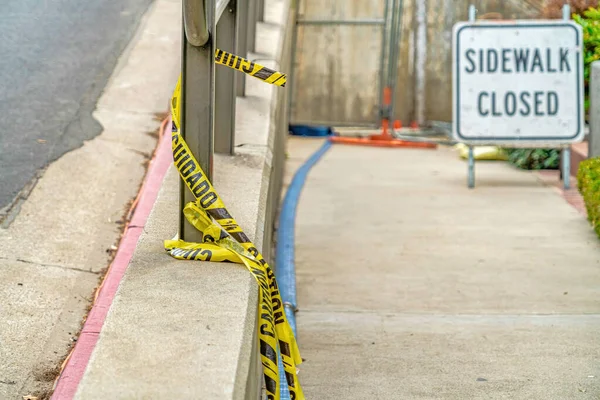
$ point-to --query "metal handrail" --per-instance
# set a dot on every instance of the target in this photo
(209, 93)
(194, 22)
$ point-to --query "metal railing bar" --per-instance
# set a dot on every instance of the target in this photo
(221, 6)
(251, 16)
(261, 10)
(225, 86)
(194, 22)
(341, 22)
(241, 42)
(197, 98)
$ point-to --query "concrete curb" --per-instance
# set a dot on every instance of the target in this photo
(76, 363)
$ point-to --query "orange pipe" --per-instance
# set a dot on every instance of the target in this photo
(376, 142)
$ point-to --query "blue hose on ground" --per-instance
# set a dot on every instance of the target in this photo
(284, 253)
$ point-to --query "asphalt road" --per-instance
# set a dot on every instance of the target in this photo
(55, 59)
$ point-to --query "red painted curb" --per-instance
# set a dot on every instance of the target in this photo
(71, 375)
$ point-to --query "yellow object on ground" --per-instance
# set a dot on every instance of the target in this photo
(490, 153)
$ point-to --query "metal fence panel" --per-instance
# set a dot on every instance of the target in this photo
(336, 68)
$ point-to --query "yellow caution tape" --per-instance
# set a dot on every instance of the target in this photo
(225, 241)
(251, 68)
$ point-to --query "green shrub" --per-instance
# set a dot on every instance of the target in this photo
(589, 18)
(534, 158)
(590, 22)
(588, 181)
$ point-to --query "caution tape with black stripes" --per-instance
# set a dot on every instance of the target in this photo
(224, 241)
(250, 67)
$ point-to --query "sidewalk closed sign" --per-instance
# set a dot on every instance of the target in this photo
(518, 82)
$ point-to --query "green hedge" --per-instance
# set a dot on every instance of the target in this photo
(589, 18)
(590, 23)
(588, 181)
(534, 158)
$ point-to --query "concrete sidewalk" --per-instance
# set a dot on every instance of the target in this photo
(412, 286)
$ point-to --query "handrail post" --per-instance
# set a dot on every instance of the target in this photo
(252, 11)
(225, 83)
(242, 42)
(261, 10)
(198, 96)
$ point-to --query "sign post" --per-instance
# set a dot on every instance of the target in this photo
(518, 84)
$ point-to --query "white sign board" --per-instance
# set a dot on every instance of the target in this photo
(520, 81)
